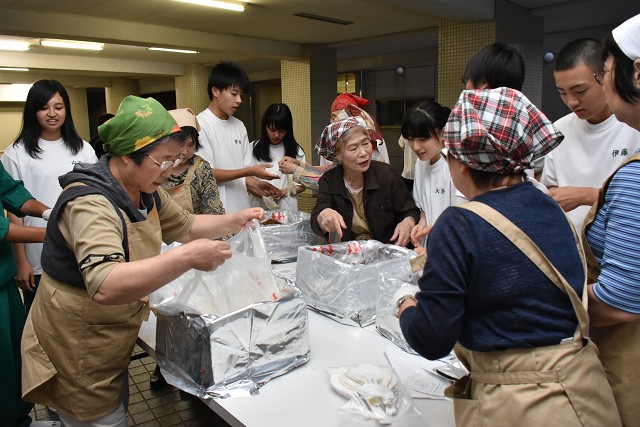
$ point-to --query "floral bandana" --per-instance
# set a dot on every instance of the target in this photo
(326, 146)
(498, 130)
(137, 123)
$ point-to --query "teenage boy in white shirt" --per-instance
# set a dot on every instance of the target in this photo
(225, 143)
(595, 142)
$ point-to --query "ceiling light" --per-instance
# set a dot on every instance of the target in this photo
(322, 18)
(71, 44)
(13, 69)
(163, 49)
(215, 3)
(13, 45)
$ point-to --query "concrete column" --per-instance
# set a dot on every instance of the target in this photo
(191, 88)
(120, 88)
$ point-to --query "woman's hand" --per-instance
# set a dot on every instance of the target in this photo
(205, 254)
(288, 165)
(331, 221)
(247, 215)
(402, 233)
(418, 233)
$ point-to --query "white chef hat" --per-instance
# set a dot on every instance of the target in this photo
(627, 36)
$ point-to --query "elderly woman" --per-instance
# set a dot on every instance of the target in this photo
(366, 199)
(504, 279)
(612, 233)
(101, 258)
(345, 105)
(191, 184)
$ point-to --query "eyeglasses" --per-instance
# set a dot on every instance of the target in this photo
(167, 163)
(600, 76)
(444, 153)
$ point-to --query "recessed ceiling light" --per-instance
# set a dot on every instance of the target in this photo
(71, 44)
(163, 49)
(13, 45)
(217, 4)
(13, 69)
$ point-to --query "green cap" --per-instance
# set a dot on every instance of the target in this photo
(138, 123)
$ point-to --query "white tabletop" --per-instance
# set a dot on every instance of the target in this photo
(303, 397)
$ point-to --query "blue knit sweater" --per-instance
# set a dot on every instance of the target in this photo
(479, 289)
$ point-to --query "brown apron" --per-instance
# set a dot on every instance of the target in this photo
(619, 344)
(181, 194)
(560, 385)
(75, 350)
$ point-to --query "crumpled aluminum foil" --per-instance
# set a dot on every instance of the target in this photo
(340, 280)
(283, 241)
(235, 354)
(387, 324)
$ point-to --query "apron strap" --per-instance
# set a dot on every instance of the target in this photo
(533, 252)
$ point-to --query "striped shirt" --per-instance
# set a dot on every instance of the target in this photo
(614, 237)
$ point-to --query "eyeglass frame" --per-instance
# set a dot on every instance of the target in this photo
(167, 163)
(600, 76)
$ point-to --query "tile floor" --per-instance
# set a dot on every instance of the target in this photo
(155, 408)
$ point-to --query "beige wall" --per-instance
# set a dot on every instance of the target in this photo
(11, 117)
(10, 122)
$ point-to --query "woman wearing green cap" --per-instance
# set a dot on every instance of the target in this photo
(101, 258)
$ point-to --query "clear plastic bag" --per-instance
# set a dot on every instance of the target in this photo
(374, 392)
(242, 280)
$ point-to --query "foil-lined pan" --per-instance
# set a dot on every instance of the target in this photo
(340, 280)
(233, 355)
(284, 231)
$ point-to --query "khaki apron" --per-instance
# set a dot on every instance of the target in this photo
(181, 194)
(559, 385)
(619, 344)
(75, 350)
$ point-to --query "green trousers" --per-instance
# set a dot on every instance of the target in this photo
(14, 412)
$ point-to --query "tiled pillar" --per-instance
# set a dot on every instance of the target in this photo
(191, 88)
(309, 88)
(456, 43)
(120, 88)
(513, 25)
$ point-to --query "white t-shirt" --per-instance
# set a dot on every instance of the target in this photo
(226, 146)
(40, 177)
(277, 153)
(588, 155)
(433, 190)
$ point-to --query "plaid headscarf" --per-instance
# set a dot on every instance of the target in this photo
(137, 123)
(326, 146)
(498, 130)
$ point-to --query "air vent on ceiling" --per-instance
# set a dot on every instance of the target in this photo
(322, 18)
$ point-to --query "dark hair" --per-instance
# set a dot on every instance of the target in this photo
(278, 115)
(623, 67)
(484, 179)
(191, 132)
(226, 75)
(39, 94)
(497, 65)
(425, 121)
(582, 51)
(138, 156)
